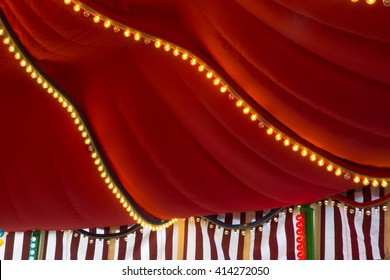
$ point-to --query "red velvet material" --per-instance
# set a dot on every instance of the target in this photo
(178, 146)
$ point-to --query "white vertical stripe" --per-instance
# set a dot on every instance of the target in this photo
(18, 246)
(130, 247)
(206, 241)
(82, 249)
(145, 254)
(66, 242)
(116, 247)
(281, 238)
(346, 233)
(98, 253)
(234, 237)
(51, 245)
(296, 211)
(264, 246)
(218, 236)
(375, 223)
(329, 233)
(175, 238)
(161, 243)
(252, 243)
(191, 239)
(358, 222)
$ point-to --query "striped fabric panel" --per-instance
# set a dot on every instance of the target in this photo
(355, 236)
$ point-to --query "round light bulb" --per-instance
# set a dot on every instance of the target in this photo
(253, 117)
(270, 131)
(278, 137)
(107, 24)
(313, 157)
(384, 184)
(286, 142)
(329, 168)
(167, 48)
(176, 52)
(224, 89)
(375, 183)
(321, 162)
(366, 182)
(304, 153)
(295, 148)
(76, 8)
(127, 33)
(239, 103)
(370, 2)
(356, 179)
(67, 2)
(209, 75)
(96, 19)
(137, 37)
(184, 56)
(338, 172)
(216, 82)
(157, 44)
(193, 62)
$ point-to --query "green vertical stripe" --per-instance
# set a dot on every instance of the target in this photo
(308, 213)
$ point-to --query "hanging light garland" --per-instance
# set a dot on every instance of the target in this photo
(65, 103)
(371, 2)
(300, 240)
(223, 87)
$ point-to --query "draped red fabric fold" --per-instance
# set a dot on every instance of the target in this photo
(317, 70)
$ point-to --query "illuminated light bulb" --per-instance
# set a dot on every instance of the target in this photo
(121, 200)
(137, 37)
(87, 141)
(356, 179)
(1, 31)
(278, 137)
(167, 48)
(176, 52)
(45, 85)
(209, 75)
(355, 1)
(107, 24)
(375, 183)
(67, 2)
(254, 117)
(77, 121)
(17, 56)
(50, 90)
(103, 175)
(286, 142)
(329, 168)
(101, 168)
(366, 182)
(193, 62)
(127, 33)
(29, 69)
(107, 181)
(157, 44)
(338, 172)
(304, 153)
(76, 8)
(270, 131)
(55, 95)
(11, 49)
(295, 148)
(81, 128)
(201, 68)
(39, 80)
(321, 162)
(6, 41)
(61, 99)
(184, 56)
(118, 195)
(96, 19)
(216, 82)
(384, 184)
(239, 103)
(84, 134)
(23, 63)
(224, 89)
(313, 157)
(370, 2)
(34, 75)
(246, 110)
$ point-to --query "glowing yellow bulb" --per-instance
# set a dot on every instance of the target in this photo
(366, 182)
(6, 41)
(55, 95)
(246, 110)
(96, 19)
(375, 183)
(354, 1)
(17, 56)
(61, 99)
(338, 172)
(67, 2)
(94, 155)
(193, 62)
(209, 75)
(270, 131)
(184, 56)
(107, 24)
(254, 117)
(39, 80)
(286, 142)
(87, 141)
(167, 48)
(29, 69)
(304, 153)
(51, 90)
(329, 168)
(224, 89)
(127, 33)
(176, 52)
(278, 137)
(356, 179)
(23, 63)
(77, 120)
(370, 2)
(11, 49)
(34, 75)
(313, 157)
(201, 68)
(137, 37)
(1, 31)
(45, 85)
(321, 162)
(295, 148)
(216, 82)
(76, 8)
(384, 184)
(157, 44)
(239, 103)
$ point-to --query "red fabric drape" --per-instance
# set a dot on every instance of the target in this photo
(318, 70)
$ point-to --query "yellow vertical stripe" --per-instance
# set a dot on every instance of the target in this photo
(111, 246)
(180, 239)
(317, 232)
(247, 238)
